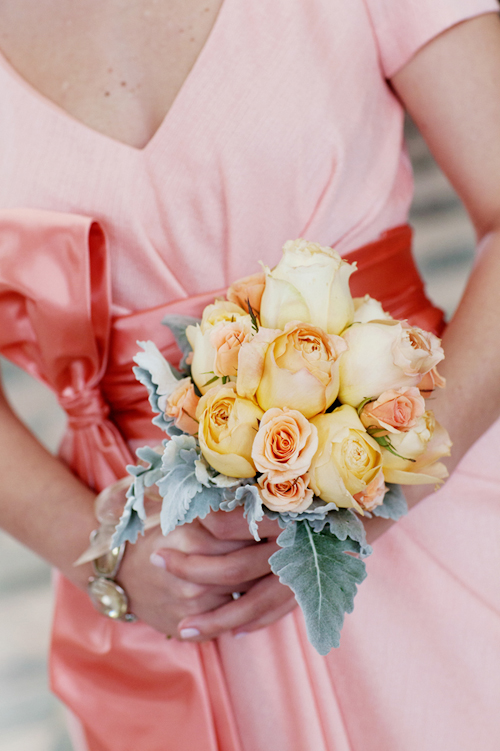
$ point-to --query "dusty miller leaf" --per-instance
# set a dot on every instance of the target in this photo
(132, 520)
(144, 377)
(183, 499)
(249, 497)
(324, 579)
(394, 505)
(344, 524)
(178, 325)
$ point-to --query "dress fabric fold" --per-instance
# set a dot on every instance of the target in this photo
(130, 687)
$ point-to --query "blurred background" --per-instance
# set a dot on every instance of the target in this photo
(31, 719)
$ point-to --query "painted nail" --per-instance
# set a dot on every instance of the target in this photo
(240, 634)
(189, 633)
(157, 561)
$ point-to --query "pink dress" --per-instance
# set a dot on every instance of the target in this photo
(299, 136)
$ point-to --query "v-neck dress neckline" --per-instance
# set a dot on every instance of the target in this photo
(184, 94)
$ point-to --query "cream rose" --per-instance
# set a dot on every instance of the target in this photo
(181, 405)
(296, 368)
(309, 284)
(284, 445)
(347, 459)
(384, 355)
(248, 290)
(227, 428)
(420, 450)
(418, 352)
(291, 495)
(395, 411)
(368, 309)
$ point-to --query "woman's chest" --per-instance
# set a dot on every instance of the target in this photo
(117, 66)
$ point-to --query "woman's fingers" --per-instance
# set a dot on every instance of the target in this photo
(264, 603)
(195, 538)
(230, 570)
(233, 526)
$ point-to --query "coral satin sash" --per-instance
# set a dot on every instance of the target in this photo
(56, 323)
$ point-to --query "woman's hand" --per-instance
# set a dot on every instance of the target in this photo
(198, 567)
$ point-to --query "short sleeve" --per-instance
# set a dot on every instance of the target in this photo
(402, 27)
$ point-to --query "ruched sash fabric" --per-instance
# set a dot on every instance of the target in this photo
(56, 323)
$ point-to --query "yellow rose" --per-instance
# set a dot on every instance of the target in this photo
(221, 311)
(309, 284)
(227, 427)
(215, 316)
(296, 368)
(425, 444)
(384, 355)
(347, 459)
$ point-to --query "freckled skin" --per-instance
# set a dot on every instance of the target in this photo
(117, 67)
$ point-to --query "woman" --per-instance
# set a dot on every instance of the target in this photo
(201, 137)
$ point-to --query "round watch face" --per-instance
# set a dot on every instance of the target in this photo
(108, 597)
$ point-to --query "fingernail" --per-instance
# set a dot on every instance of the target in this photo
(240, 634)
(189, 633)
(158, 561)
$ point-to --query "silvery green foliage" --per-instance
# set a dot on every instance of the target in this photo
(249, 497)
(178, 325)
(342, 522)
(185, 484)
(165, 423)
(324, 579)
(394, 505)
(317, 511)
(345, 524)
(132, 520)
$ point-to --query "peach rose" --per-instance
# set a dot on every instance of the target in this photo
(291, 495)
(248, 290)
(181, 405)
(215, 316)
(419, 451)
(226, 431)
(431, 381)
(284, 445)
(226, 341)
(394, 411)
(373, 494)
(296, 368)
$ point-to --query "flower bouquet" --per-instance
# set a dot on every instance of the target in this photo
(300, 403)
